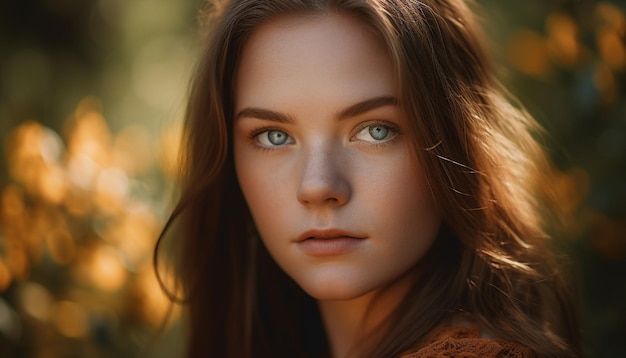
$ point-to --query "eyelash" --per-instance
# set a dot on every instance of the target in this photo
(394, 132)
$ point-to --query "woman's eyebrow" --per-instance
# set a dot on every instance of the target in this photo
(366, 106)
(352, 111)
(265, 114)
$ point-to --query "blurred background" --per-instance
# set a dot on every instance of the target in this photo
(91, 98)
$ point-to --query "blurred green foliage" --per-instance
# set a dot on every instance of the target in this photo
(90, 96)
(566, 61)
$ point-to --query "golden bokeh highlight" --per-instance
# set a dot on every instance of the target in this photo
(534, 54)
(528, 52)
(611, 48)
(11, 202)
(84, 201)
(82, 171)
(36, 301)
(89, 134)
(25, 155)
(71, 320)
(106, 271)
(52, 184)
(110, 190)
(134, 233)
(61, 246)
(77, 202)
(16, 260)
(562, 42)
(609, 16)
(170, 150)
(133, 150)
(152, 303)
(5, 276)
(571, 188)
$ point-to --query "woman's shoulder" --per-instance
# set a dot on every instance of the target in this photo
(467, 342)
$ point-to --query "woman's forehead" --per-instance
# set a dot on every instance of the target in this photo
(325, 55)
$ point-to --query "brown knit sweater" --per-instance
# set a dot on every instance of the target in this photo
(466, 342)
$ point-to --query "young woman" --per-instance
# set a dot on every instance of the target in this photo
(355, 184)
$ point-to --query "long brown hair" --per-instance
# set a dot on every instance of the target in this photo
(491, 260)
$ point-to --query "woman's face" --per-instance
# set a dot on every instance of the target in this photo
(323, 158)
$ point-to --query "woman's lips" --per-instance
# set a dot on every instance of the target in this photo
(329, 242)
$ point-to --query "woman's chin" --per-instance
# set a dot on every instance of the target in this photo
(334, 290)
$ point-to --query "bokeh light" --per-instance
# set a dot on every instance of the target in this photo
(88, 91)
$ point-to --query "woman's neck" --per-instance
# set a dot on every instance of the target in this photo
(352, 324)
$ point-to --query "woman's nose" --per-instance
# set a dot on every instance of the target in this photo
(322, 180)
